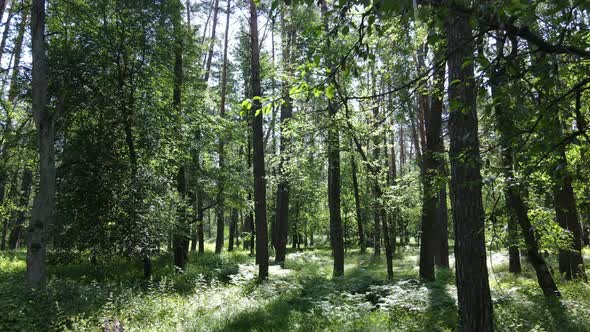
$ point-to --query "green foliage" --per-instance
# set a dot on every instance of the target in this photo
(220, 293)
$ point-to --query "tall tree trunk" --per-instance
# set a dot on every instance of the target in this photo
(570, 259)
(376, 189)
(571, 263)
(212, 42)
(18, 48)
(3, 4)
(475, 303)
(45, 124)
(6, 33)
(513, 190)
(220, 205)
(357, 204)
(428, 169)
(440, 238)
(394, 216)
(336, 236)
(180, 238)
(282, 214)
(258, 147)
(25, 193)
(232, 229)
(200, 222)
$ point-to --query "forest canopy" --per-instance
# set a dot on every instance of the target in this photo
(294, 165)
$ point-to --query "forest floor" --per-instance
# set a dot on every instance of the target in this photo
(220, 293)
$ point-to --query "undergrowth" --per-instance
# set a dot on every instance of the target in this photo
(220, 293)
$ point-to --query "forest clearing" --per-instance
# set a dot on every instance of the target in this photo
(294, 165)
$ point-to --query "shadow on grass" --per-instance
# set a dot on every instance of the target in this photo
(86, 290)
(442, 310)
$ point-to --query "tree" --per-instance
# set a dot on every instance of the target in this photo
(475, 303)
(45, 124)
(258, 149)
(282, 214)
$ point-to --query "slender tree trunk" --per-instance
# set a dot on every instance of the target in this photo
(232, 229)
(282, 212)
(440, 237)
(212, 42)
(475, 303)
(25, 193)
(200, 223)
(6, 33)
(428, 169)
(336, 236)
(180, 238)
(441, 253)
(394, 216)
(513, 191)
(4, 220)
(258, 147)
(220, 206)
(45, 124)
(357, 204)
(17, 54)
(3, 4)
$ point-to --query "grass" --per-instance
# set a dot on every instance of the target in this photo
(220, 293)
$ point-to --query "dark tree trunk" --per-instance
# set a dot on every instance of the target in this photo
(220, 205)
(505, 126)
(282, 210)
(428, 170)
(200, 223)
(2, 8)
(25, 193)
(45, 125)
(232, 229)
(336, 236)
(181, 237)
(17, 54)
(441, 252)
(219, 235)
(357, 204)
(6, 33)
(440, 237)
(475, 303)
(570, 259)
(5, 221)
(394, 216)
(513, 191)
(258, 148)
(212, 42)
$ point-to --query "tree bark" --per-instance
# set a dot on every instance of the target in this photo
(357, 204)
(258, 147)
(181, 237)
(6, 33)
(440, 237)
(220, 206)
(45, 125)
(232, 229)
(428, 169)
(282, 211)
(17, 54)
(212, 42)
(475, 304)
(336, 234)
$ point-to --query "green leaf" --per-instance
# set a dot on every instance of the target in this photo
(330, 91)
